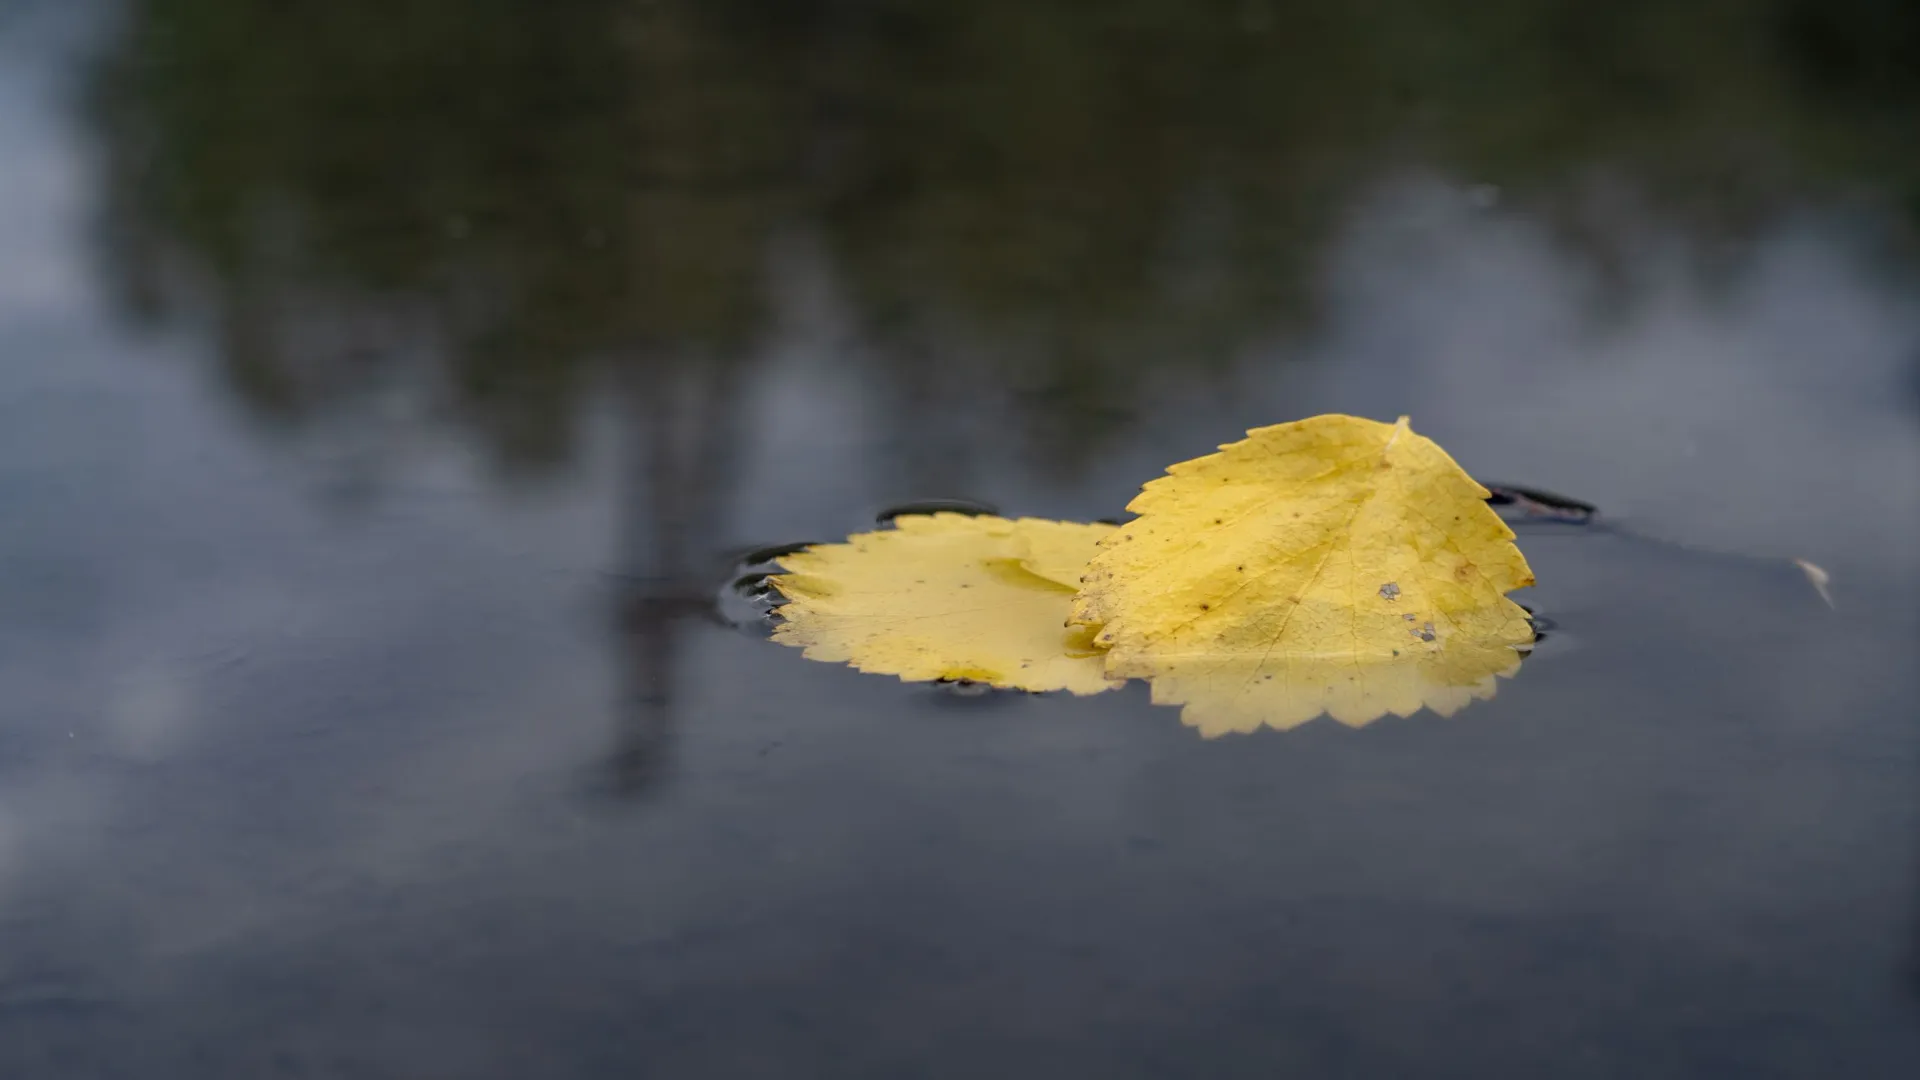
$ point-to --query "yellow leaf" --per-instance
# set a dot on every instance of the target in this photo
(1057, 550)
(1226, 693)
(947, 596)
(1332, 564)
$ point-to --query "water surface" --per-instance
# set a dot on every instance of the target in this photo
(387, 389)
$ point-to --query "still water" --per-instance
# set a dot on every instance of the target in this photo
(387, 389)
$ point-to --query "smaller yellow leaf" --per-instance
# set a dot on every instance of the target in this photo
(1057, 550)
(948, 596)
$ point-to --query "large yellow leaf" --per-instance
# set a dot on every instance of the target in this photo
(947, 596)
(1333, 564)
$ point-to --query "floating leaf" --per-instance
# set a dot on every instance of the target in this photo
(1057, 550)
(1332, 564)
(948, 596)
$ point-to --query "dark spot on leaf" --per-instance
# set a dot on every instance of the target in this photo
(1206, 607)
(1219, 521)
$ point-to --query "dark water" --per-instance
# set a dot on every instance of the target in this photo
(385, 390)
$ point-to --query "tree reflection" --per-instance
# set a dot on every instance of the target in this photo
(495, 199)
(508, 210)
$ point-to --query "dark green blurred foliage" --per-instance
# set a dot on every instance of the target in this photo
(516, 200)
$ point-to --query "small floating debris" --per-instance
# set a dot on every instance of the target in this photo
(1819, 578)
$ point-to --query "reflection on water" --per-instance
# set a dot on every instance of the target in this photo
(386, 391)
(1015, 200)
